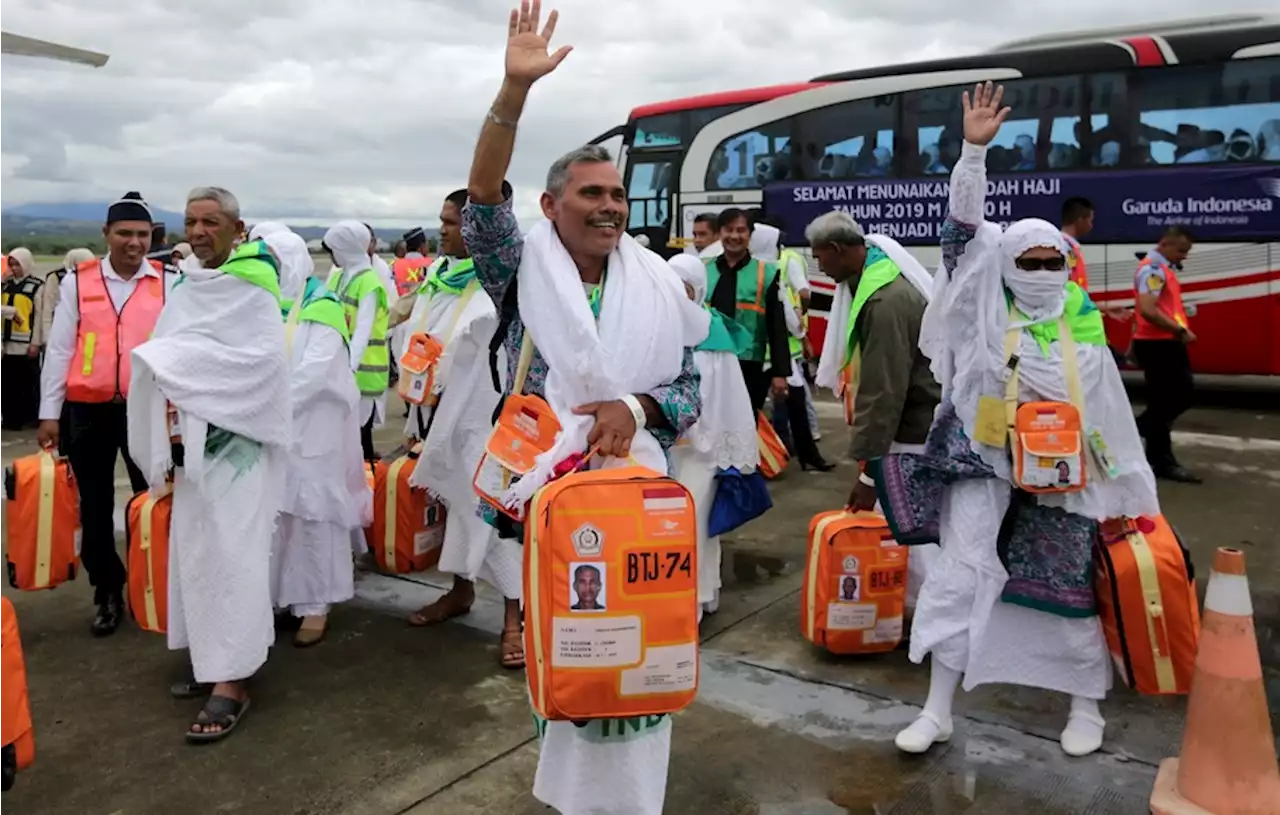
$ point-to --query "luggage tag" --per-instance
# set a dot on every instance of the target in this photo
(1102, 457)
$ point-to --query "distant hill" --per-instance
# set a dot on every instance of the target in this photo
(81, 219)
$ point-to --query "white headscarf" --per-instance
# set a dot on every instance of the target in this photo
(764, 243)
(349, 243)
(1038, 294)
(693, 272)
(75, 257)
(25, 260)
(295, 262)
(266, 228)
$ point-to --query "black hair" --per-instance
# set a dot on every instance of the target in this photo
(1178, 231)
(728, 216)
(1075, 208)
(458, 198)
(708, 218)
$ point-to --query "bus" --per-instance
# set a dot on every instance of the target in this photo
(1174, 123)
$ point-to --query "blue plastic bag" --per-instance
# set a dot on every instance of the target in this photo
(739, 498)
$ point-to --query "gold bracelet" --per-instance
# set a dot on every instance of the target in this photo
(498, 120)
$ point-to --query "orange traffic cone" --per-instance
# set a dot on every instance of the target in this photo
(1228, 762)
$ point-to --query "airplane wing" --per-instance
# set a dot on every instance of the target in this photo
(31, 47)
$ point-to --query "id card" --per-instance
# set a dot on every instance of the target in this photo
(1102, 457)
(990, 426)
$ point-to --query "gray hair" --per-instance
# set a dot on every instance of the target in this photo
(225, 200)
(558, 175)
(834, 227)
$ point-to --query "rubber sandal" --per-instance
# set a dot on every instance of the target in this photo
(190, 689)
(310, 632)
(219, 710)
(509, 658)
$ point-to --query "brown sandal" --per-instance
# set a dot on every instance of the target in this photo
(311, 632)
(446, 608)
(512, 647)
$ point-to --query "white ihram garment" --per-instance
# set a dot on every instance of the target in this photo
(959, 617)
(604, 767)
(348, 241)
(326, 494)
(218, 355)
(462, 422)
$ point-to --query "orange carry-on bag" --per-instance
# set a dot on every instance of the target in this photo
(19, 739)
(43, 518)
(611, 593)
(1147, 602)
(408, 524)
(773, 453)
(146, 523)
(855, 584)
(421, 359)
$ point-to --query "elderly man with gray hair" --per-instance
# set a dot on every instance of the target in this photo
(209, 419)
(871, 357)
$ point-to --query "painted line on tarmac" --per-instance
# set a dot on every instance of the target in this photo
(1235, 444)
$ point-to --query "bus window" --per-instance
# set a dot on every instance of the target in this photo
(849, 140)
(1209, 114)
(1040, 133)
(752, 159)
(701, 117)
(663, 130)
(649, 191)
(1108, 120)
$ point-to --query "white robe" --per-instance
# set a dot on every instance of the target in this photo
(457, 434)
(217, 354)
(326, 495)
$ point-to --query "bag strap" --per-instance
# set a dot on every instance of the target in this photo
(463, 300)
(526, 359)
(1070, 361)
(291, 323)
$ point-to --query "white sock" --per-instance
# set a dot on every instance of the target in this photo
(933, 725)
(1083, 733)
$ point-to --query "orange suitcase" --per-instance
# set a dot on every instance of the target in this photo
(146, 525)
(855, 584)
(773, 453)
(1147, 602)
(43, 518)
(611, 593)
(408, 524)
(19, 739)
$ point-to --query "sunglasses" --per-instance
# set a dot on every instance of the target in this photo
(1055, 264)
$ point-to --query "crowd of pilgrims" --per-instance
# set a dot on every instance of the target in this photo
(254, 385)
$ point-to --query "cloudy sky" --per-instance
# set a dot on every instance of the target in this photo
(311, 109)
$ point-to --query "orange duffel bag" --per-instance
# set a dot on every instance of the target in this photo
(1147, 602)
(43, 518)
(773, 453)
(611, 593)
(855, 584)
(408, 524)
(146, 526)
(19, 739)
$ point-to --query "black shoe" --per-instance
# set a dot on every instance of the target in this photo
(821, 466)
(1178, 473)
(108, 618)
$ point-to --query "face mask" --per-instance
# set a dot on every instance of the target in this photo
(1036, 289)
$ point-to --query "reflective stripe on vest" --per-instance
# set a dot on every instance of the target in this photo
(21, 295)
(409, 273)
(372, 374)
(1075, 262)
(1169, 301)
(101, 365)
(749, 296)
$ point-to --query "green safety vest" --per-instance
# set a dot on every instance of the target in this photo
(875, 277)
(372, 375)
(326, 309)
(749, 296)
(784, 261)
(1083, 319)
(253, 263)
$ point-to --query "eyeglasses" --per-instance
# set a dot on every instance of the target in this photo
(1053, 264)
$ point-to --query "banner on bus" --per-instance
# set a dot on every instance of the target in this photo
(1222, 203)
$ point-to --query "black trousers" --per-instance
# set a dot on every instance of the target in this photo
(758, 386)
(1166, 369)
(366, 437)
(96, 433)
(20, 394)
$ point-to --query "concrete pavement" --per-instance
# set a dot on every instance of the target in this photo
(384, 719)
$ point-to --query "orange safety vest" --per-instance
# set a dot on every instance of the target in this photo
(1169, 301)
(408, 273)
(101, 366)
(1075, 262)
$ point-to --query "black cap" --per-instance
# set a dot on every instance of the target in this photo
(130, 207)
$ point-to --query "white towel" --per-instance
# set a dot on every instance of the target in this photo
(639, 344)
